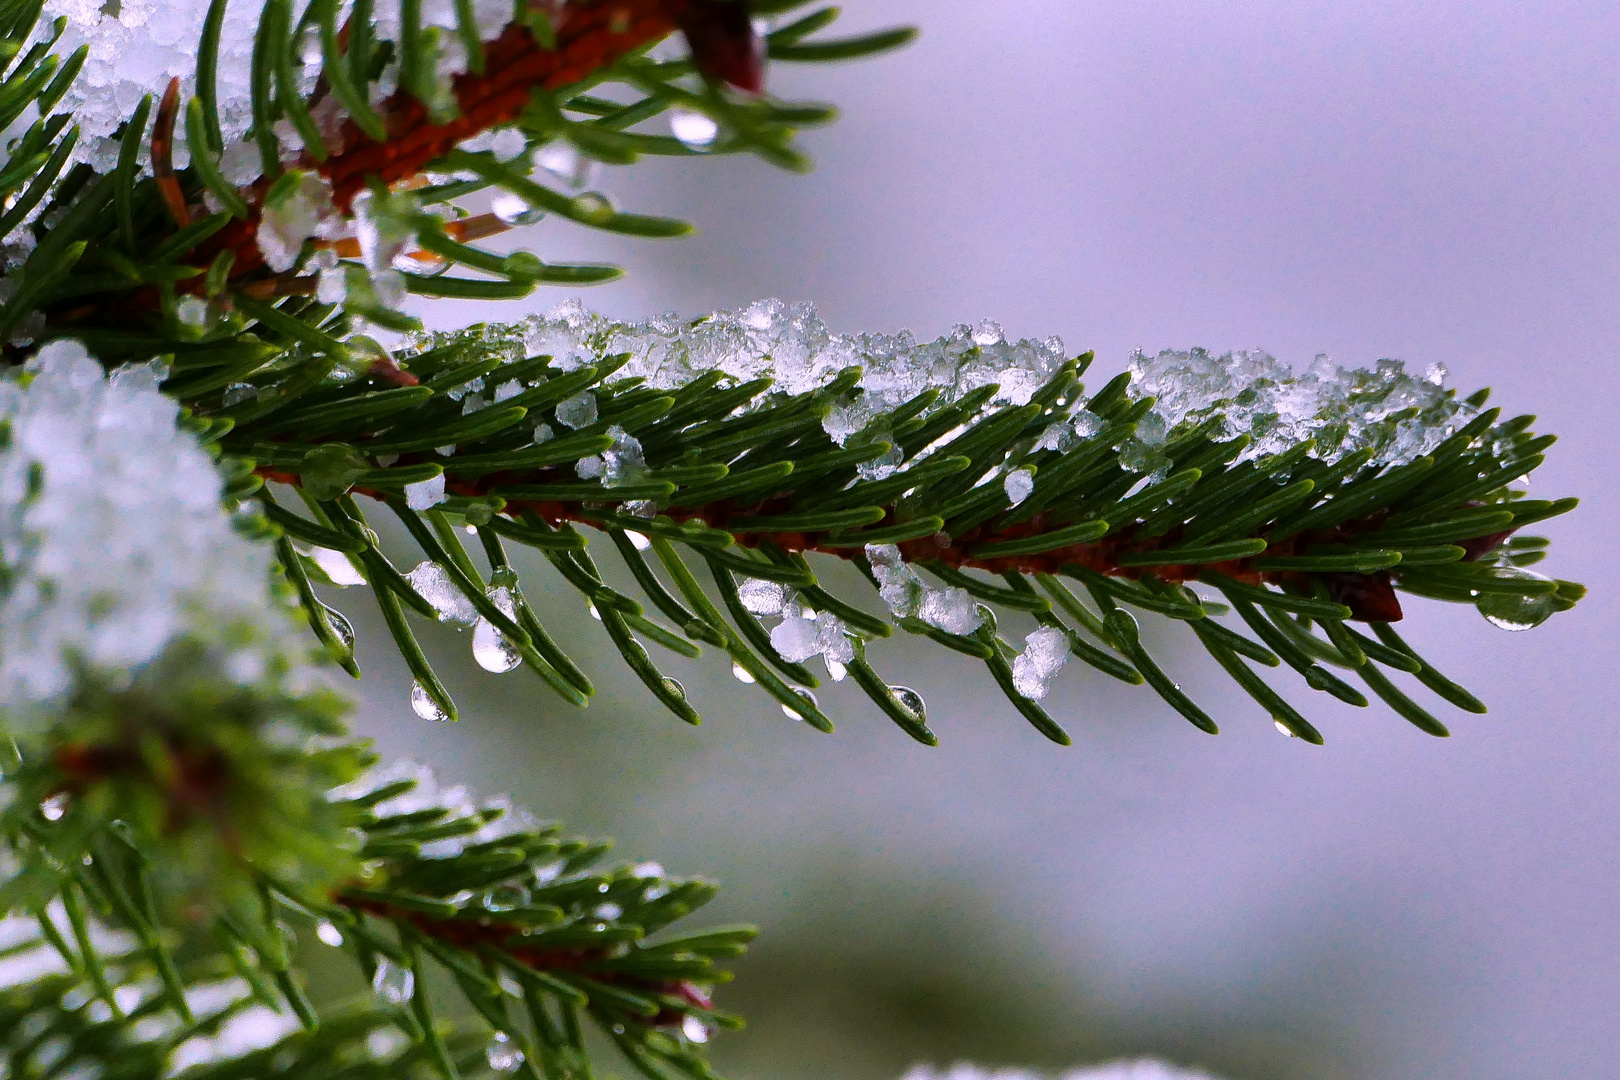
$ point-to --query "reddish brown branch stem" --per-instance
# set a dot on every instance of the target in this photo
(475, 935)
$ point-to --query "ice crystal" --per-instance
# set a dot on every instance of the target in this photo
(804, 633)
(113, 536)
(433, 583)
(1044, 654)
(903, 589)
(426, 494)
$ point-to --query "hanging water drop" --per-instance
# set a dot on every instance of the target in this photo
(788, 710)
(912, 701)
(593, 206)
(838, 672)
(424, 705)
(506, 898)
(503, 1055)
(639, 541)
(695, 1030)
(674, 686)
(1284, 728)
(341, 627)
(514, 210)
(740, 673)
(693, 128)
(55, 807)
(597, 615)
(491, 649)
(1516, 613)
(330, 934)
(392, 983)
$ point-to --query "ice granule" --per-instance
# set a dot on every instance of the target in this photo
(1019, 484)
(433, 584)
(298, 207)
(114, 536)
(426, 494)
(795, 638)
(623, 463)
(762, 597)
(803, 634)
(951, 610)
(578, 411)
(1044, 654)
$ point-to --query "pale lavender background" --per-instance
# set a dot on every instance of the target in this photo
(1433, 181)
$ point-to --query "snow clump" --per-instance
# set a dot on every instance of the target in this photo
(112, 535)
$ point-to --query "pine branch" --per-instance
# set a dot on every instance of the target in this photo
(748, 480)
(173, 865)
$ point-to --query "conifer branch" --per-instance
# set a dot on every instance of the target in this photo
(179, 805)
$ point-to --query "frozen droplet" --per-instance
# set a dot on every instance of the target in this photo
(1512, 612)
(912, 701)
(424, 705)
(693, 128)
(236, 393)
(695, 1030)
(341, 627)
(506, 898)
(491, 649)
(838, 672)
(793, 714)
(1284, 728)
(674, 686)
(330, 934)
(55, 807)
(337, 567)
(741, 674)
(515, 211)
(192, 312)
(503, 1055)
(392, 983)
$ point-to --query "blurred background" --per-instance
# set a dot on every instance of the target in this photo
(1433, 181)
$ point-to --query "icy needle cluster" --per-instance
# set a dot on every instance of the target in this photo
(790, 344)
(1387, 410)
(137, 46)
(430, 794)
(112, 537)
